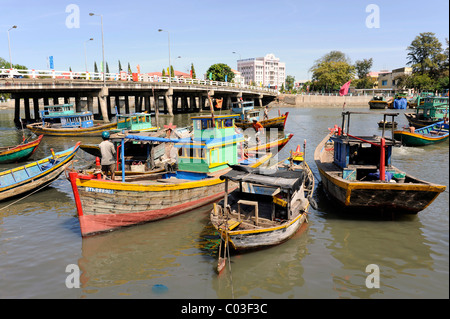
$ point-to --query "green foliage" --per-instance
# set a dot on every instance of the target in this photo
(95, 67)
(193, 71)
(120, 67)
(219, 71)
(290, 82)
(6, 65)
(330, 76)
(129, 68)
(425, 54)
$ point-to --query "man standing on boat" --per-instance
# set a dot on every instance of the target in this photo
(108, 152)
(258, 128)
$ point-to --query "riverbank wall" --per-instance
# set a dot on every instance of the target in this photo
(323, 100)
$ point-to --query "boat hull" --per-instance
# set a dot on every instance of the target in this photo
(107, 205)
(417, 122)
(276, 122)
(378, 105)
(265, 237)
(96, 130)
(20, 152)
(35, 181)
(412, 139)
(373, 196)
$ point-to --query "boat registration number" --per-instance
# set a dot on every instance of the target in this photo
(99, 190)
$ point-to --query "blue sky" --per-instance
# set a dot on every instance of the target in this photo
(207, 32)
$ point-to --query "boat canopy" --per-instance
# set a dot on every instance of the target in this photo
(287, 180)
(158, 139)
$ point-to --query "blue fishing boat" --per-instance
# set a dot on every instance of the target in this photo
(431, 134)
(62, 120)
(35, 175)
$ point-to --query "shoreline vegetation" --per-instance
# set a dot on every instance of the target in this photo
(292, 100)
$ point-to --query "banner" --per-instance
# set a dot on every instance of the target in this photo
(50, 61)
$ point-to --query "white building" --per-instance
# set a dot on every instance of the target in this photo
(266, 71)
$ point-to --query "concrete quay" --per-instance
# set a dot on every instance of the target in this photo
(323, 100)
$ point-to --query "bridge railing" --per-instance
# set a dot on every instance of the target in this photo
(122, 76)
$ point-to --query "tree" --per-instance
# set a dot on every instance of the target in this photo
(290, 82)
(330, 76)
(120, 67)
(95, 67)
(332, 56)
(193, 71)
(219, 71)
(362, 68)
(129, 68)
(172, 72)
(425, 54)
(107, 67)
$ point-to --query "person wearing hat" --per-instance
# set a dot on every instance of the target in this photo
(108, 152)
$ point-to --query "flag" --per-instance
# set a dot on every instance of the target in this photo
(210, 75)
(344, 88)
(226, 77)
(138, 69)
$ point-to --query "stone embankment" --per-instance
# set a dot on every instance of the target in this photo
(323, 100)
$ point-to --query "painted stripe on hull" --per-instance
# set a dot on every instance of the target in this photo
(253, 239)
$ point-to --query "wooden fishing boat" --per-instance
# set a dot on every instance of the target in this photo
(387, 124)
(21, 152)
(427, 135)
(35, 175)
(434, 109)
(270, 147)
(62, 120)
(247, 113)
(267, 208)
(105, 205)
(357, 173)
(378, 102)
(134, 122)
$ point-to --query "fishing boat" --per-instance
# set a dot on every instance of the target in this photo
(134, 122)
(62, 120)
(358, 174)
(433, 110)
(431, 134)
(21, 152)
(191, 182)
(387, 124)
(268, 207)
(36, 175)
(378, 102)
(247, 113)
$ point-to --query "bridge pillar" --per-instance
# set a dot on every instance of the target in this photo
(26, 102)
(168, 95)
(36, 108)
(127, 104)
(77, 103)
(102, 95)
(90, 103)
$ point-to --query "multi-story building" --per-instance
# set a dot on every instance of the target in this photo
(387, 80)
(266, 71)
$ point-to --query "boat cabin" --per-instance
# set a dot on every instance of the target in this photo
(135, 122)
(214, 144)
(245, 110)
(360, 157)
(433, 107)
(64, 116)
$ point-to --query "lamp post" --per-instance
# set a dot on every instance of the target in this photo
(103, 47)
(9, 46)
(168, 40)
(85, 56)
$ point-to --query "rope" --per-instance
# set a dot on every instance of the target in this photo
(45, 185)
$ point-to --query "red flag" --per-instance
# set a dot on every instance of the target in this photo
(344, 88)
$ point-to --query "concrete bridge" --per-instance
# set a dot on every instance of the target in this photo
(169, 97)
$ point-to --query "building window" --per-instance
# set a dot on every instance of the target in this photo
(384, 83)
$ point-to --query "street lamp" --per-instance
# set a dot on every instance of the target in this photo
(85, 56)
(103, 48)
(238, 54)
(168, 40)
(9, 46)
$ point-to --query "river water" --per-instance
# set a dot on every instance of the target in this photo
(41, 245)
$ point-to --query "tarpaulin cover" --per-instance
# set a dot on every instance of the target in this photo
(290, 180)
(400, 104)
